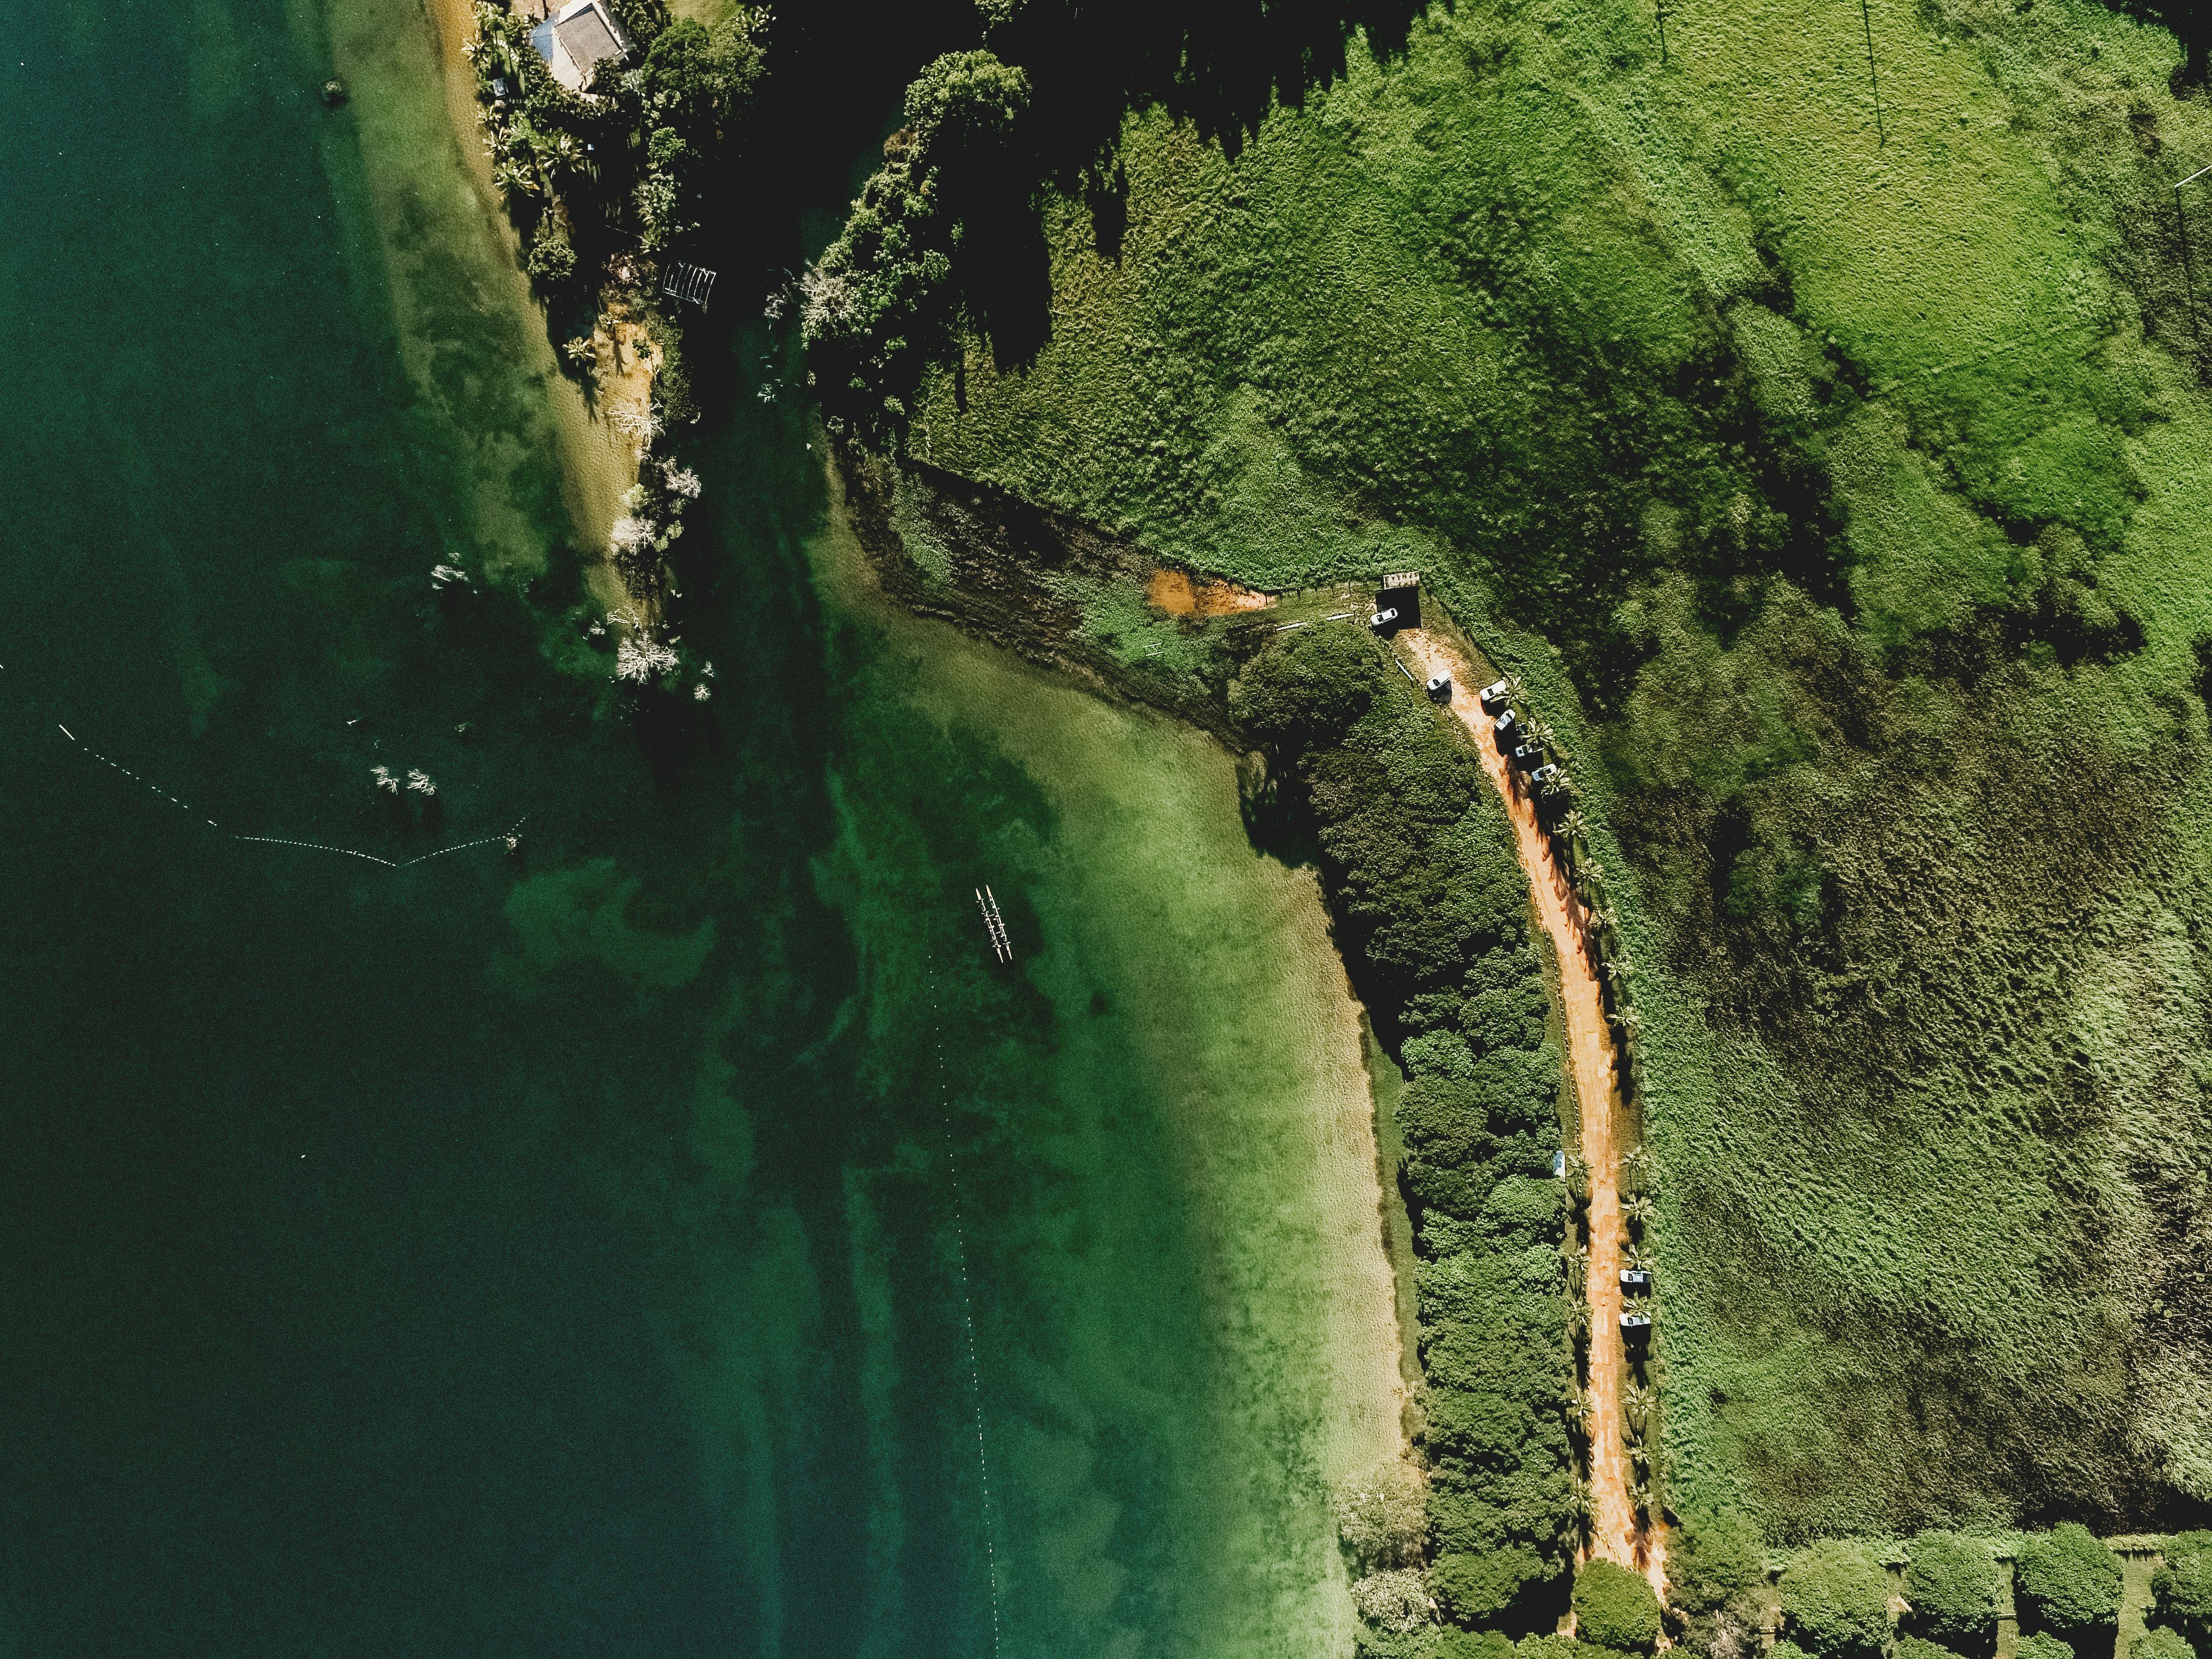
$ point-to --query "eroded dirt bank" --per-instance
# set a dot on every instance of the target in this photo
(1615, 1533)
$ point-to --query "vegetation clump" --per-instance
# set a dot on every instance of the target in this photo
(1836, 1597)
(2181, 1589)
(1952, 1584)
(1382, 1519)
(2071, 1581)
(2042, 1644)
(1615, 1608)
(1718, 1597)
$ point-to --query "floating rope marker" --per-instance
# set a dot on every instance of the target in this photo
(416, 782)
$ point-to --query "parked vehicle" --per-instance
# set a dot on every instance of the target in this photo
(1495, 696)
(1439, 687)
(1383, 619)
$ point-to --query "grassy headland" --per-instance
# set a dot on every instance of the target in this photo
(1834, 476)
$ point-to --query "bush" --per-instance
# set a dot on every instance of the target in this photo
(1471, 1644)
(2043, 1645)
(2181, 1589)
(1953, 1585)
(1918, 1647)
(1713, 1559)
(1307, 692)
(552, 261)
(1615, 1608)
(2162, 1643)
(1396, 1602)
(1836, 1597)
(1496, 1586)
(2070, 1580)
(1384, 1518)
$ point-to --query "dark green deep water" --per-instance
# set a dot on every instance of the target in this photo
(565, 1256)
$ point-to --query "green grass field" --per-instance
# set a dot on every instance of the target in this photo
(1845, 494)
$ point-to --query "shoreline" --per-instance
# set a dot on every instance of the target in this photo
(859, 497)
(1276, 1140)
(597, 464)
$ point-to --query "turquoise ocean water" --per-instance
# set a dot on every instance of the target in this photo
(679, 1239)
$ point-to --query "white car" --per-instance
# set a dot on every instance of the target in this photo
(1439, 687)
(1382, 618)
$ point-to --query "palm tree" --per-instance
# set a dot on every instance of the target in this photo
(1638, 1209)
(1639, 1402)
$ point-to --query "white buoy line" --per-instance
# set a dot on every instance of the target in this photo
(967, 1316)
(510, 840)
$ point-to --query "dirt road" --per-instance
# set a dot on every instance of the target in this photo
(1615, 1535)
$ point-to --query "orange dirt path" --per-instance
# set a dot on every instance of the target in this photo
(1615, 1535)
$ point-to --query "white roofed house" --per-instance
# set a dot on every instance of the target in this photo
(578, 38)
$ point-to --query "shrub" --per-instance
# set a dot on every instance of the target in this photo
(1397, 1601)
(1471, 1644)
(2162, 1643)
(1953, 1585)
(1712, 1559)
(1307, 692)
(1836, 1597)
(1615, 1608)
(552, 261)
(1493, 1588)
(2043, 1645)
(2070, 1580)
(1918, 1647)
(1383, 1518)
(2182, 1587)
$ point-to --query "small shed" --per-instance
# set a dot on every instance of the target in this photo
(1401, 591)
(576, 39)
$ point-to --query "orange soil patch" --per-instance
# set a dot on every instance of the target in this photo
(1175, 593)
(1615, 1535)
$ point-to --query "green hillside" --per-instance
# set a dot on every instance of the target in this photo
(1840, 479)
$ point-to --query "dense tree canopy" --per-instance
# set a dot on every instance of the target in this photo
(2069, 1580)
(2182, 1587)
(1711, 1559)
(1615, 1608)
(1953, 1585)
(1431, 908)
(1836, 1597)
